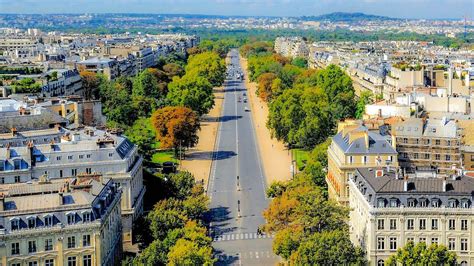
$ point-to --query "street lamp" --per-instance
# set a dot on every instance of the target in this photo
(238, 183)
(238, 209)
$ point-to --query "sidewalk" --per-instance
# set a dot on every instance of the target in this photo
(276, 159)
(198, 159)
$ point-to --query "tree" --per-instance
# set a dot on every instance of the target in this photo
(116, 103)
(165, 216)
(420, 254)
(316, 166)
(209, 66)
(366, 97)
(143, 135)
(145, 84)
(155, 254)
(287, 241)
(196, 204)
(172, 70)
(90, 84)
(176, 127)
(300, 62)
(182, 184)
(186, 252)
(191, 91)
(328, 248)
(265, 82)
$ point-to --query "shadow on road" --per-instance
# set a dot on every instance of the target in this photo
(208, 155)
(224, 259)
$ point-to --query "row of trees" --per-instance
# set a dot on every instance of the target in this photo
(174, 232)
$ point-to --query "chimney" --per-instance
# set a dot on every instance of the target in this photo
(60, 198)
(405, 183)
(14, 131)
(444, 184)
(2, 202)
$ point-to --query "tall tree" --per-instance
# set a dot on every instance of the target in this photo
(366, 97)
(191, 91)
(420, 254)
(265, 82)
(209, 66)
(176, 127)
(90, 84)
(145, 84)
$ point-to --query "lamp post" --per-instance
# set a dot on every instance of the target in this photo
(238, 209)
(238, 183)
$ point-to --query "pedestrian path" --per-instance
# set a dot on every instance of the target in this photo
(247, 255)
(241, 236)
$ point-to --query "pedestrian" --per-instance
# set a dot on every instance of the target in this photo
(258, 231)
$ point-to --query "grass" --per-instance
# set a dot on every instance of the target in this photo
(301, 157)
(164, 156)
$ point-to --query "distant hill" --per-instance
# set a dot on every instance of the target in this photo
(347, 17)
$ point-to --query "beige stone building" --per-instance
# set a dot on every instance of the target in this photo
(73, 222)
(355, 146)
(388, 211)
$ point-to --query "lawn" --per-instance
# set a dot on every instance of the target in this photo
(301, 157)
(163, 156)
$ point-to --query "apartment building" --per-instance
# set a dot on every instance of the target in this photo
(389, 209)
(68, 82)
(352, 147)
(291, 47)
(428, 143)
(60, 153)
(73, 221)
(106, 66)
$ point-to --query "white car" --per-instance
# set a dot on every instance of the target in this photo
(246, 109)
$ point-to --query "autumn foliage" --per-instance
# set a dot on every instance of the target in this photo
(176, 126)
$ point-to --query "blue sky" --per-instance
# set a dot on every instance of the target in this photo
(393, 8)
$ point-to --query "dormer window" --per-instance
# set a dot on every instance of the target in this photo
(71, 218)
(31, 222)
(393, 203)
(465, 203)
(435, 203)
(452, 203)
(48, 220)
(423, 203)
(15, 223)
(411, 202)
(86, 217)
(381, 203)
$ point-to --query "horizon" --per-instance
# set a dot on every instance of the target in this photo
(420, 9)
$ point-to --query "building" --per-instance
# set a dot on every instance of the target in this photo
(352, 147)
(106, 66)
(389, 209)
(432, 143)
(61, 153)
(72, 221)
(291, 47)
(68, 82)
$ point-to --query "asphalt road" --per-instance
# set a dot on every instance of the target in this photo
(234, 233)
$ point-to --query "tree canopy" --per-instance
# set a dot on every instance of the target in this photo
(421, 254)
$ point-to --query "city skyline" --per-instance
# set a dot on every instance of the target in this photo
(420, 9)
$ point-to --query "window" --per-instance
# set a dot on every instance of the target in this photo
(87, 260)
(48, 244)
(86, 217)
(88, 170)
(437, 157)
(452, 224)
(423, 203)
(49, 262)
(423, 239)
(410, 239)
(69, 157)
(393, 243)
(411, 202)
(31, 246)
(463, 244)
(464, 225)
(380, 224)
(88, 156)
(381, 203)
(415, 156)
(410, 224)
(111, 154)
(15, 248)
(380, 243)
(393, 203)
(32, 263)
(438, 142)
(405, 140)
(58, 158)
(71, 242)
(364, 159)
(451, 243)
(380, 263)
(15, 224)
(427, 156)
(393, 224)
(350, 159)
(71, 218)
(448, 157)
(434, 240)
(17, 179)
(31, 222)
(86, 240)
(465, 203)
(435, 203)
(74, 172)
(452, 203)
(81, 156)
(71, 261)
(434, 224)
(422, 224)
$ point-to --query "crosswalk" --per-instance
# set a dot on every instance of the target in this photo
(258, 255)
(241, 236)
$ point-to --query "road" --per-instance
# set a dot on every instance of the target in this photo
(235, 237)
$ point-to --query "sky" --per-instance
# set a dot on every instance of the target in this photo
(393, 8)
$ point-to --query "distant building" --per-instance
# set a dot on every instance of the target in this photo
(61, 222)
(389, 209)
(106, 66)
(291, 47)
(69, 82)
(352, 147)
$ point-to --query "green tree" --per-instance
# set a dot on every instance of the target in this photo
(366, 97)
(166, 216)
(143, 135)
(145, 84)
(182, 184)
(191, 91)
(155, 254)
(300, 62)
(187, 252)
(328, 248)
(209, 66)
(420, 254)
(286, 242)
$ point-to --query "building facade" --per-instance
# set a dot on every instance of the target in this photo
(60, 153)
(61, 222)
(389, 209)
(355, 146)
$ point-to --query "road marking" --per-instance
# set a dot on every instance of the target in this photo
(256, 254)
(240, 236)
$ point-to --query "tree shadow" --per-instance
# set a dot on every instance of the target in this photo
(224, 259)
(209, 155)
(227, 118)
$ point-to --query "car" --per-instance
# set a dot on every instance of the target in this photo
(245, 100)
(246, 109)
(244, 94)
